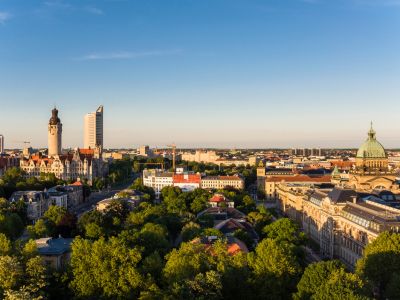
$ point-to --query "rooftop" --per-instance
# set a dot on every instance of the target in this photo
(51, 246)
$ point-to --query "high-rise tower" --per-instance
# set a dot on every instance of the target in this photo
(1, 143)
(93, 129)
(54, 133)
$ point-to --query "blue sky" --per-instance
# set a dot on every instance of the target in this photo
(202, 73)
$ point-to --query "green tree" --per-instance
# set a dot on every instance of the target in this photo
(284, 230)
(340, 285)
(94, 231)
(247, 204)
(185, 263)
(13, 175)
(55, 214)
(245, 238)
(36, 277)
(5, 245)
(275, 268)
(105, 269)
(393, 287)
(205, 286)
(10, 273)
(11, 225)
(383, 251)
(260, 218)
(190, 231)
(58, 221)
(315, 276)
(199, 204)
(39, 229)
(29, 250)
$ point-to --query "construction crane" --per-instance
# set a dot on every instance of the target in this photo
(22, 142)
(173, 146)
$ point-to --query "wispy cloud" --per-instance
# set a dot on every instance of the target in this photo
(128, 55)
(4, 17)
(49, 6)
(57, 4)
(94, 10)
(380, 2)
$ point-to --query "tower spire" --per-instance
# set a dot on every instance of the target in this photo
(371, 132)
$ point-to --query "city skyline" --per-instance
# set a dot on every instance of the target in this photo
(285, 144)
(252, 74)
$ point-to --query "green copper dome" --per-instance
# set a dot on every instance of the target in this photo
(371, 147)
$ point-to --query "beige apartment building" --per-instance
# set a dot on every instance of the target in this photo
(201, 156)
(221, 182)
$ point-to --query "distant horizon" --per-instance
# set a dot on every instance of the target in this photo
(210, 148)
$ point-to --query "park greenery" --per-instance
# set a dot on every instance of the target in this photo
(147, 252)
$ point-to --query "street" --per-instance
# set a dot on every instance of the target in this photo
(96, 197)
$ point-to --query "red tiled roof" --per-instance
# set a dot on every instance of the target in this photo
(217, 198)
(186, 178)
(86, 151)
(234, 249)
(299, 178)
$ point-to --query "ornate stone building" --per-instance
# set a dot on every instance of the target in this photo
(340, 221)
(371, 170)
(371, 156)
(83, 164)
(343, 220)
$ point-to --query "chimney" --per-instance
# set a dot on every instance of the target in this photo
(354, 199)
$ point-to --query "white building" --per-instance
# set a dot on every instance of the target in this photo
(157, 179)
(93, 129)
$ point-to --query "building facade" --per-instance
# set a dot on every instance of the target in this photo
(93, 129)
(221, 182)
(272, 182)
(37, 203)
(157, 180)
(79, 164)
(201, 156)
(7, 162)
(187, 182)
(340, 221)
